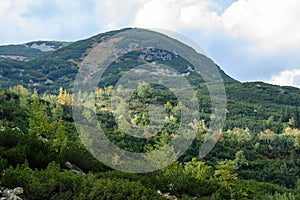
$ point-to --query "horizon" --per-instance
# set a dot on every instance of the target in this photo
(149, 99)
(250, 40)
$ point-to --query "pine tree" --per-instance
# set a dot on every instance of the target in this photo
(225, 172)
(39, 122)
(297, 118)
(59, 139)
(240, 160)
(162, 154)
(23, 93)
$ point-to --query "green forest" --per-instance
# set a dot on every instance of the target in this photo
(42, 154)
(43, 157)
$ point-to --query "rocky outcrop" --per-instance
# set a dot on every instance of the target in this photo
(74, 168)
(10, 194)
(168, 196)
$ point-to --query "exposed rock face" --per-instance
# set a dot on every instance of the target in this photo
(74, 168)
(168, 196)
(9, 194)
(43, 47)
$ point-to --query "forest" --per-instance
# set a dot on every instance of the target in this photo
(42, 154)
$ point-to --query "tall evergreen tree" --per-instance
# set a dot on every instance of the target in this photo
(39, 122)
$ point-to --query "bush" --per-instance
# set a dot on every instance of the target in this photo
(55, 183)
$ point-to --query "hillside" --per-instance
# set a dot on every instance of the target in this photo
(49, 70)
(41, 152)
(30, 50)
(255, 157)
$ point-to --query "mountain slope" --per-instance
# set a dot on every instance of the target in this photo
(256, 156)
(45, 70)
(30, 50)
(49, 70)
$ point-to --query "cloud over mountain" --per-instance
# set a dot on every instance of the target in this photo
(268, 24)
(240, 35)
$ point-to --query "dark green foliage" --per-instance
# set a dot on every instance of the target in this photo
(256, 156)
(55, 183)
(27, 52)
(44, 68)
(262, 163)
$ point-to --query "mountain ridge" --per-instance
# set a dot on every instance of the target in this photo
(58, 68)
(59, 49)
(30, 50)
(255, 156)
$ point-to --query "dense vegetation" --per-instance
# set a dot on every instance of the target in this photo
(38, 137)
(256, 156)
(29, 50)
(46, 71)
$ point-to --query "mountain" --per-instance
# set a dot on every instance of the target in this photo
(48, 66)
(41, 155)
(31, 50)
(30, 65)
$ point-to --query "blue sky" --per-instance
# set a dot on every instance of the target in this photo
(249, 39)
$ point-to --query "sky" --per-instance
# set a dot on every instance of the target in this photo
(251, 40)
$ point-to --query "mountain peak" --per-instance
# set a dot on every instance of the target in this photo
(30, 50)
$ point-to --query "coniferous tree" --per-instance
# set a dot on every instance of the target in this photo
(296, 118)
(39, 122)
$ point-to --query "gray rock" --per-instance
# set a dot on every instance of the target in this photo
(9, 194)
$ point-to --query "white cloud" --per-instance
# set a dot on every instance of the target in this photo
(270, 24)
(267, 28)
(19, 24)
(114, 14)
(12, 22)
(26, 20)
(177, 14)
(286, 78)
